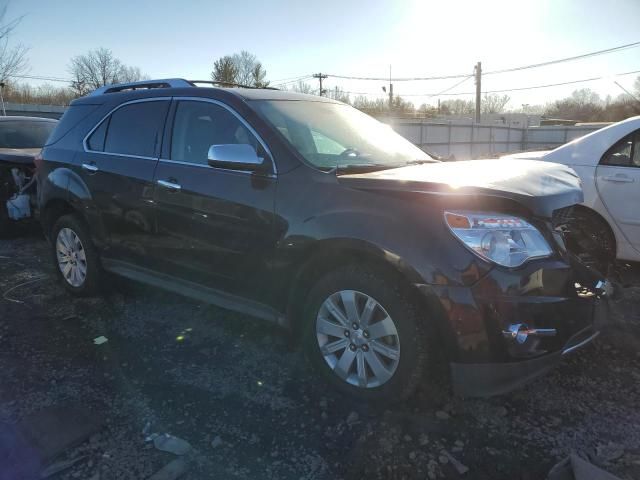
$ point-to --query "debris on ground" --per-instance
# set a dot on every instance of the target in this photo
(460, 468)
(216, 442)
(352, 419)
(575, 468)
(171, 444)
(442, 415)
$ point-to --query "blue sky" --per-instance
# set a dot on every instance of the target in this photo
(359, 38)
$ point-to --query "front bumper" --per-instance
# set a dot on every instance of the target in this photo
(489, 379)
(566, 301)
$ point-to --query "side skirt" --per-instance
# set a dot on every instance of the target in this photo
(195, 291)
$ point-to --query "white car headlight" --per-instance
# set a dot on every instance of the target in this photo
(503, 239)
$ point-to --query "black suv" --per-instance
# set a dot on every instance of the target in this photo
(308, 213)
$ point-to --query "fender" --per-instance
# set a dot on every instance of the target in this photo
(66, 185)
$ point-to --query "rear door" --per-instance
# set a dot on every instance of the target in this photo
(121, 154)
(618, 182)
(215, 226)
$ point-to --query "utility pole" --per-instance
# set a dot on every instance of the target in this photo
(4, 112)
(390, 91)
(320, 77)
(478, 90)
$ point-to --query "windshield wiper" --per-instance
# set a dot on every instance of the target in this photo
(421, 162)
(360, 168)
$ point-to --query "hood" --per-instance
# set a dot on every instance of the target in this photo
(528, 155)
(541, 187)
(18, 156)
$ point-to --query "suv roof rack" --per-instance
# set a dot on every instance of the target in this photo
(230, 84)
(165, 83)
(144, 84)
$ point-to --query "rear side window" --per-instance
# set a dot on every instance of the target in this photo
(72, 117)
(625, 153)
(97, 138)
(133, 129)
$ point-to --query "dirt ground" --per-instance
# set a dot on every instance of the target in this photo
(251, 409)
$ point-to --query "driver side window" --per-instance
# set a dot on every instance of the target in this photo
(625, 153)
(198, 125)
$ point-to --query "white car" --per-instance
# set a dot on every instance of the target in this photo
(608, 163)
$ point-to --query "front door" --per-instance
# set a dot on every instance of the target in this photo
(618, 182)
(215, 226)
(118, 167)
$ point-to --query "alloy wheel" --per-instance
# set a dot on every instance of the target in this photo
(358, 339)
(72, 259)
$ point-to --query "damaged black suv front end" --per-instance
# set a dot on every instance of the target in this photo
(520, 300)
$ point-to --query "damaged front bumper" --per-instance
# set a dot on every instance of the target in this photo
(513, 326)
(489, 379)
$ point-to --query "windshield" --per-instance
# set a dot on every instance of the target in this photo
(24, 134)
(330, 135)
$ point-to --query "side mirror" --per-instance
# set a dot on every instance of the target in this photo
(234, 157)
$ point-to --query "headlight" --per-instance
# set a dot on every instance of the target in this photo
(503, 239)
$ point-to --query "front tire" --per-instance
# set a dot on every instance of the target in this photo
(364, 334)
(75, 258)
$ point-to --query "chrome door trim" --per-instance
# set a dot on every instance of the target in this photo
(201, 165)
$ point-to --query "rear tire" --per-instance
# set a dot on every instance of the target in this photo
(75, 258)
(360, 361)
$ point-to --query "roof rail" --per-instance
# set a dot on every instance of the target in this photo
(163, 83)
(229, 84)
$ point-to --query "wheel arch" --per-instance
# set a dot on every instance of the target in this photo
(330, 255)
(585, 210)
(52, 211)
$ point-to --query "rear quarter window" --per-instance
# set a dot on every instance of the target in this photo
(72, 116)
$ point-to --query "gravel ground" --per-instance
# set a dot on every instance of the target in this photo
(250, 408)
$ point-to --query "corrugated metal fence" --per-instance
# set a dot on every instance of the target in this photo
(464, 141)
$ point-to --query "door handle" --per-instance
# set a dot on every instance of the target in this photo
(618, 178)
(175, 187)
(90, 167)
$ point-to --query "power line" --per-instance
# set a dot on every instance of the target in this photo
(568, 59)
(493, 72)
(292, 80)
(451, 87)
(38, 77)
(533, 87)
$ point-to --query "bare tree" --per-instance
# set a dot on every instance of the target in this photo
(46, 94)
(494, 103)
(584, 105)
(457, 107)
(98, 68)
(13, 59)
(301, 87)
(337, 93)
(240, 68)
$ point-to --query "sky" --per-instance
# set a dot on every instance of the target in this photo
(169, 38)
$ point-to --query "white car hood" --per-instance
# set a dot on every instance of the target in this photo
(528, 155)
